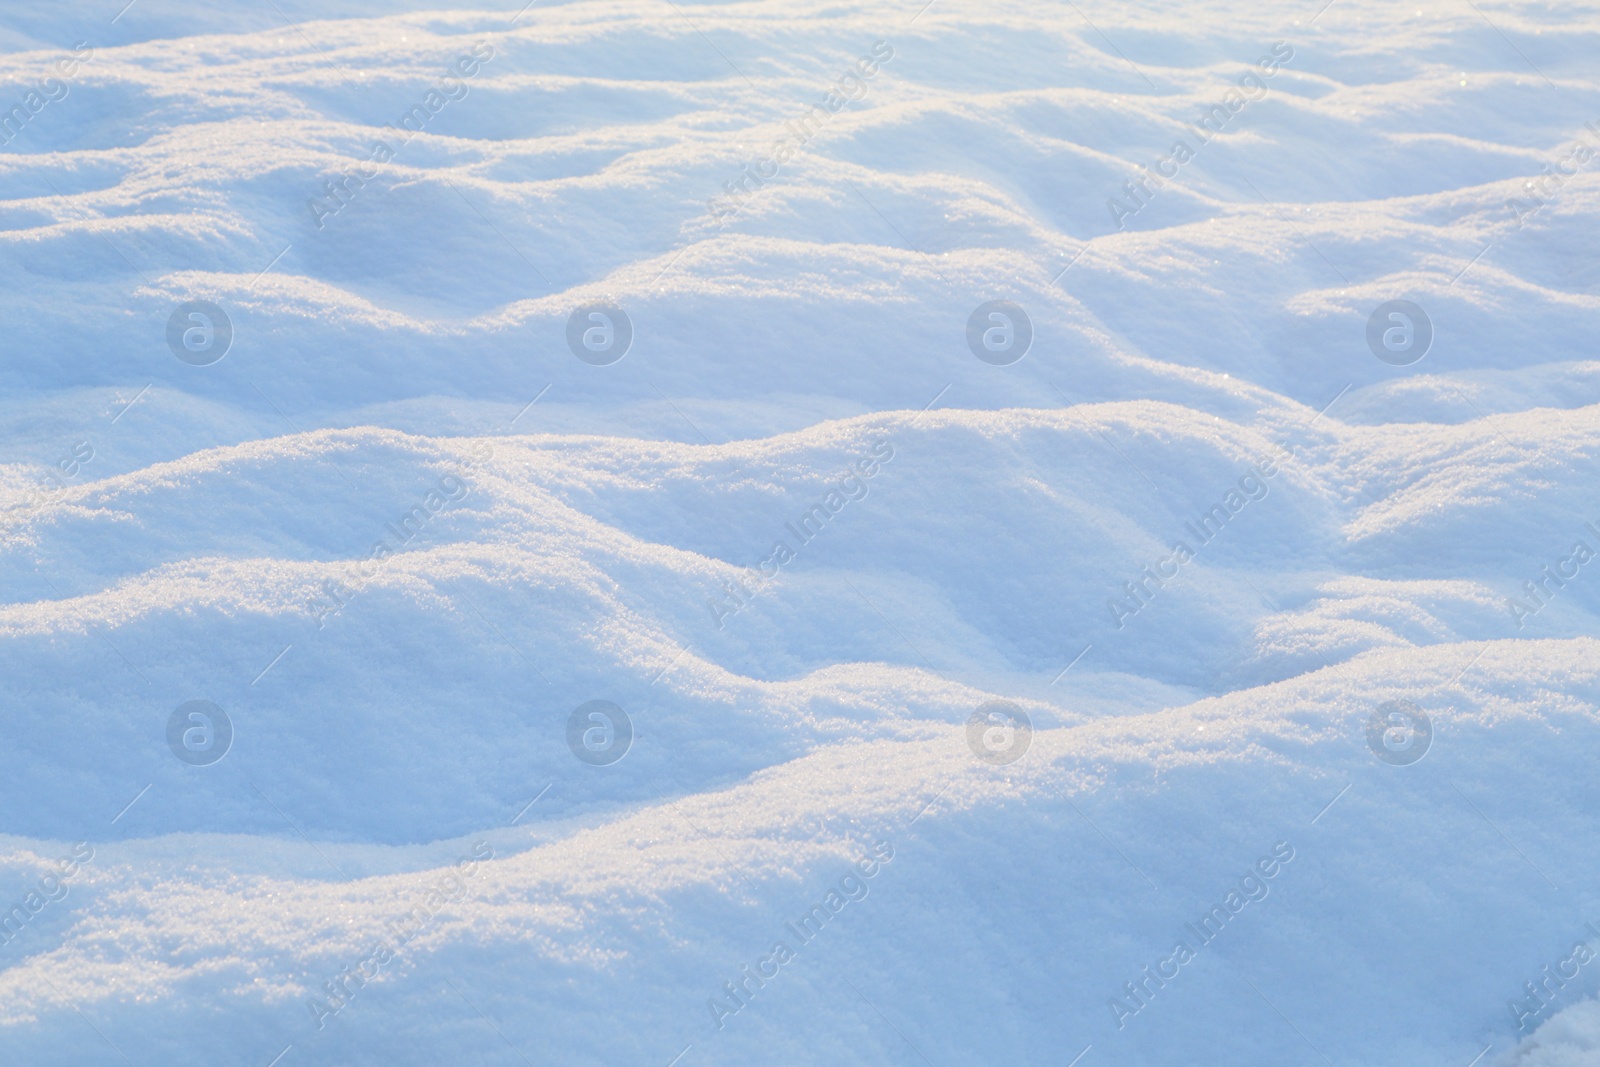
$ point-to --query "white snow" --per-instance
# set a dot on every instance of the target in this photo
(399, 532)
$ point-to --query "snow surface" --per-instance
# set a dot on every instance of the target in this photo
(400, 802)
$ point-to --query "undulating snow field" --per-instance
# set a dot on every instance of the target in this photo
(643, 532)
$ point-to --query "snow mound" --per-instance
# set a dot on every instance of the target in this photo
(391, 679)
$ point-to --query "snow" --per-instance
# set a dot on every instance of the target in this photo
(399, 533)
(1570, 1040)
